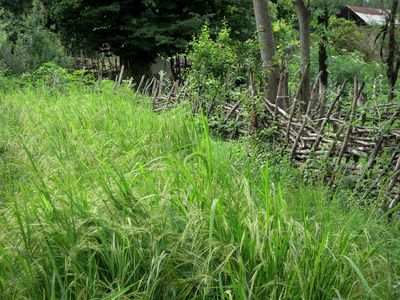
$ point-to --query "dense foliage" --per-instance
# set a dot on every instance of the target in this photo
(26, 43)
(212, 58)
(140, 30)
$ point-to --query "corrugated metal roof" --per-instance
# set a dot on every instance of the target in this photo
(370, 15)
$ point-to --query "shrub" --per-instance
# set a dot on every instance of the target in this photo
(346, 36)
(348, 64)
(211, 59)
(27, 44)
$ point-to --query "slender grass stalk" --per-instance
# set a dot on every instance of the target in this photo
(103, 199)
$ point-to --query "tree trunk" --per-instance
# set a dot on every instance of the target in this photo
(267, 47)
(393, 59)
(304, 16)
(323, 21)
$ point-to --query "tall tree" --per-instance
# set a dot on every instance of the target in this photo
(323, 9)
(391, 54)
(138, 30)
(267, 46)
(323, 23)
(393, 58)
(303, 10)
(135, 30)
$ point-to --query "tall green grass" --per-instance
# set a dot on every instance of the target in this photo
(100, 198)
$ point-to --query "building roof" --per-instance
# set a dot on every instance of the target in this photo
(366, 15)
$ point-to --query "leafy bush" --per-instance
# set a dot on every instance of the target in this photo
(211, 59)
(5, 81)
(346, 36)
(348, 64)
(341, 65)
(50, 76)
(248, 54)
(27, 44)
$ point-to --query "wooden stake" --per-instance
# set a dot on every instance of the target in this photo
(295, 100)
(318, 140)
(379, 140)
(169, 96)
(305, 118)
(140, 84)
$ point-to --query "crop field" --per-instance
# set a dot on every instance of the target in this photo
(100, 198)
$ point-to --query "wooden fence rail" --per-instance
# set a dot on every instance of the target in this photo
(334, 143)
(103, 66)
(329, 142)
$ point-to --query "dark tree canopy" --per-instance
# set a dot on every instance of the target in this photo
(138, 30)
(16, 7)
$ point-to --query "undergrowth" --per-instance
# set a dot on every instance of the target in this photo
(102, 199)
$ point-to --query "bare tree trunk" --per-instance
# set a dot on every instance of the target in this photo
(304, 15)
(323, 21)
(267, 47)
(393, 60)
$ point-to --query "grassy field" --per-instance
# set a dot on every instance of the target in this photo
(100, 198)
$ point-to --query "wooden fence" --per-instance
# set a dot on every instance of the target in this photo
(104, 66)
(331, 145)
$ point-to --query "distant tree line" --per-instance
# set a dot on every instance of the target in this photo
(139, 30)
